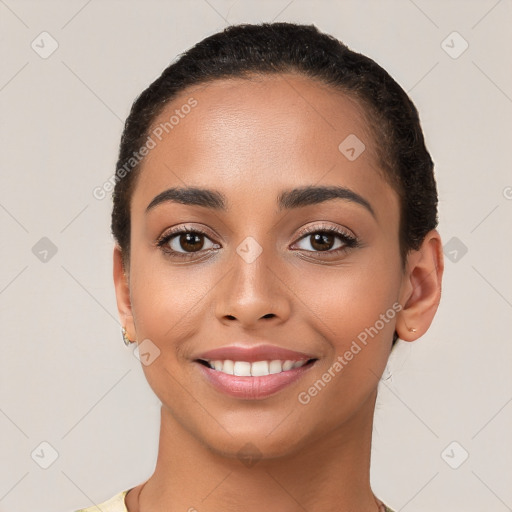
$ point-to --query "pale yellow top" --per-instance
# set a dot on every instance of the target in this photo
(117, 504)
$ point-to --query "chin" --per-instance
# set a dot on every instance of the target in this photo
(253, 444)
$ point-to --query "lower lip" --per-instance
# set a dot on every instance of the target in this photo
(253, 388)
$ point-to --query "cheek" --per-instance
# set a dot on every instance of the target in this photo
(167, 306)
(354, 310)
(166, 301)
(348, 300)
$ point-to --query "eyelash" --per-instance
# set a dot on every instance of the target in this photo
(349, 241)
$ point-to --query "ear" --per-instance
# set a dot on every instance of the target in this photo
(420, 292)
(122, 287)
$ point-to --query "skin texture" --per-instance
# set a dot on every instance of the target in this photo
(250, 140)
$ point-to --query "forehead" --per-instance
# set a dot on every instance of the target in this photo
(259, 134)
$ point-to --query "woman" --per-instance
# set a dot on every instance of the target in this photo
(274, 215)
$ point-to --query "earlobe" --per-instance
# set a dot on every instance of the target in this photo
(421, 288)
(122, 289)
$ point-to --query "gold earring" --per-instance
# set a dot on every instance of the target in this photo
(412, 329)
(127, 341)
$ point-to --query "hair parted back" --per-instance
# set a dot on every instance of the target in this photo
(269, 48)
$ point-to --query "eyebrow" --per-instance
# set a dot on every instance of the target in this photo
(288, 199)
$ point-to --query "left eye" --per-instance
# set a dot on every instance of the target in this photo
(322, 241)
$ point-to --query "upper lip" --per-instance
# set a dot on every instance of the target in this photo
(253, 353)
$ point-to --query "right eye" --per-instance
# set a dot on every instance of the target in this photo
(185, 242)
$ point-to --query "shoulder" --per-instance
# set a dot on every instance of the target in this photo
(114, 504)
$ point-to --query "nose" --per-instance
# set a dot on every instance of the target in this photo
(253, 293)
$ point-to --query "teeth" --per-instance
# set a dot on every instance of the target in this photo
(259, 368)
(287, 365)
(275, 367)
(256, 369)
(226, 367)
(243, 369)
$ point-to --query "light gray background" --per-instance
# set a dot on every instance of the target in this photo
(66, 377)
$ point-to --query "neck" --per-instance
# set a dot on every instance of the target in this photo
(329, 473)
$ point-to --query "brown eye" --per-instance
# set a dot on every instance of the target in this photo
(322, 241)
(186, 242)
(190, 242)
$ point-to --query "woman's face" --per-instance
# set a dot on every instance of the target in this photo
(265, 271)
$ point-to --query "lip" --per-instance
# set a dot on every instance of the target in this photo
(253, 353)
(252, 388)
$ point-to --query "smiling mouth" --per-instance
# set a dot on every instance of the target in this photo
(256, 368)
